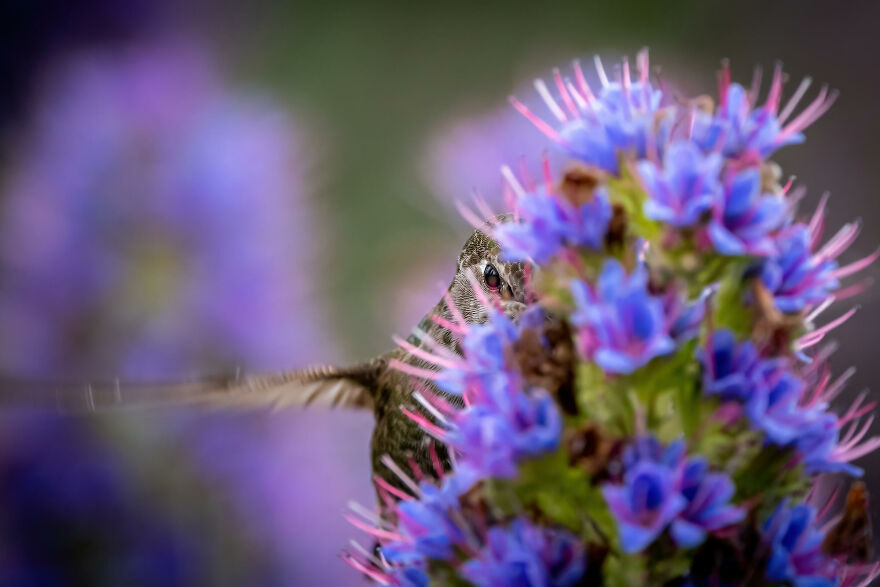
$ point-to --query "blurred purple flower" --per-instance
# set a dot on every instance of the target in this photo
(773, 406)
(597, 129)
(796, 554)
(548, 223)
(708, 504)
(492, 442)
(428, 526)
(728, 367)
(740, 130)
(744, 219)
(649, 498)
(663, 488)
(796, 278)
(502, 421)
(528, 556)
(75, 514)
(620, 325)
(685, 187)
(155, 223)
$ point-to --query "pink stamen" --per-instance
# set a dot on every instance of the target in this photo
(852, 440)
(481, 295)
(554, 108)
(453, 309)
(582, 82)
(600, 69)
(563, 91)
(398, 493)
(469, 215)
(856, 410)
(838, 386)
(416, 469)
(542, 126)
(581, 103)
(808, 115)
(643, 65)
(374, 574)
(840, 241)
(548, 174)
(484, 209)
(445, 408)
(829, 503)
(451, 326)
(378, 533)
(406, 479)
(755, 87)
(510, 201)
(854, 453)
(414, 371)
(432, 429)
(853, 290)
(437, 348)
(855, 266)
(775, 94)
(425, 355)
(822, 331)
(817, 222)
(794, 100)
(435, 459)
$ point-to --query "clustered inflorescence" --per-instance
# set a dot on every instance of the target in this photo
(661, 414)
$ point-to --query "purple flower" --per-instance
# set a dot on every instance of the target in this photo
(484, 367)
(428, 525)
(620, 325)
(728, 367)
(738, 130)
(649, 498)
(72, 514)
(503, 421)
(684, 317)
(685, 187)
(795, 277)
(662, 488)
(492, 442)
(774, 404)
(548, 223)
(154, 222)
(819, 449)
(796, 554)
(526, 555)
(708, 504)
(597, 129)
(744, 219)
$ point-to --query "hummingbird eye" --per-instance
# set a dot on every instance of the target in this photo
(492, 278)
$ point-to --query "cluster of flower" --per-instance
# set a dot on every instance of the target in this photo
(149, 221)
(678, 443)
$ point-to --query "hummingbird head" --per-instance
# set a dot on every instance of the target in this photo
(503, 280)
(480, 261)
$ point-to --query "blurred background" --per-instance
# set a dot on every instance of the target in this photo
(190, 188)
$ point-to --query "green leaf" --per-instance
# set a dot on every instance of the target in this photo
(604, 403)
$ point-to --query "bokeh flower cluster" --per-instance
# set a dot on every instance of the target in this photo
(156, 223)
(662, 414)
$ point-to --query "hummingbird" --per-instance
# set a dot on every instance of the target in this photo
(373, 385)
